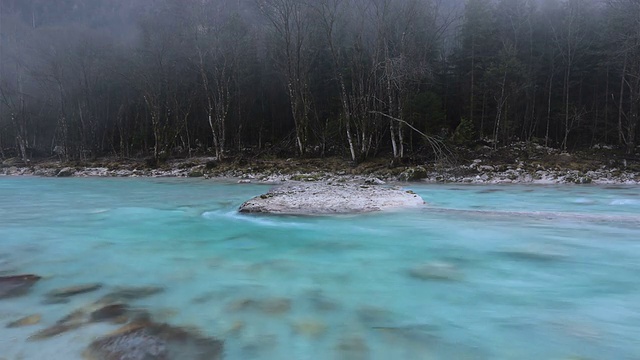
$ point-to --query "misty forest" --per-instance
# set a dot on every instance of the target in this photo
(351, 78)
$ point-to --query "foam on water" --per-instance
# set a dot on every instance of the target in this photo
(630, 202)
(260, 220)
(482, 272)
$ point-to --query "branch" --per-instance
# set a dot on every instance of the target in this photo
(437, 145)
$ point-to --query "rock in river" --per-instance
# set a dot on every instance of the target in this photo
(336, 198)
(16, 285)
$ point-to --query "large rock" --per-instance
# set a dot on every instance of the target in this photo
(316, 198)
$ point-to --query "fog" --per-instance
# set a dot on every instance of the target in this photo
(354, 78)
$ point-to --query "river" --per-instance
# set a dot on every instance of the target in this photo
(481, 272)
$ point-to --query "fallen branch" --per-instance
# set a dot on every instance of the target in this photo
(438, 146)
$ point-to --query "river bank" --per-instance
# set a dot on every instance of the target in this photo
(520, 163)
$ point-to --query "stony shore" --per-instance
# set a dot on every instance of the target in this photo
(474, 173)
(524, 164)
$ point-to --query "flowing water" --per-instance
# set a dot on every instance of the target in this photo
(482, 272)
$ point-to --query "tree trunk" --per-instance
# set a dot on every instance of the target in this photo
(501, 102)
(621, 139)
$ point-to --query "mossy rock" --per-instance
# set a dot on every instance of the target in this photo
(413, 174)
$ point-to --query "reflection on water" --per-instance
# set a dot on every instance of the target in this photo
(166, 269)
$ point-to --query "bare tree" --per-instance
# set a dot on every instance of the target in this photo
(571, 40)
(290, 21)
(625, 31)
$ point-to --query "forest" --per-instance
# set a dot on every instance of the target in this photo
(80, 79)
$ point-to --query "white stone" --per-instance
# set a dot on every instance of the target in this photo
(322, 198)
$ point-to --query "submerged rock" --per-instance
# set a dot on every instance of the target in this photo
(372, 317)
(534, 253)
(151, 341)
(421, 334)
(95, 312)
(320, 302)
(54, 330)
(130, 293)
(25, 321)
(109, 313)
(272, 306)
(352, 347)
(309, 327)
(17, 285)
(73, 290)
(257, 345)
(436, 271)
(276, 306)
(55, 300)
(318, 199)
(241, 305)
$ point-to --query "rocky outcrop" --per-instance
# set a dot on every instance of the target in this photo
(323, 198)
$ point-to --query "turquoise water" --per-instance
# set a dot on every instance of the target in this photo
(521, 272)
